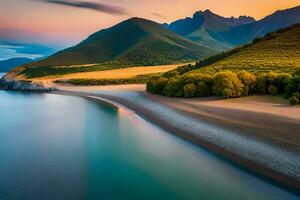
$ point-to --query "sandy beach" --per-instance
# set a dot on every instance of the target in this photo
(260, 133)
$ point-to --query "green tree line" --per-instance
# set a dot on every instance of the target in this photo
(226, 84)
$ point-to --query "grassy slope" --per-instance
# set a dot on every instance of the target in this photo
(135, 42)
(139, 79)
(131, 75)
(279, 51)
(116, 73)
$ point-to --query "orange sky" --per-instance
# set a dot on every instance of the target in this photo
(60, 23)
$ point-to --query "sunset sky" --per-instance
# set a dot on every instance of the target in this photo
(66, 22)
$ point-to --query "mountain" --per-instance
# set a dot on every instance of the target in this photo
(277, 51)
(211, 30)
(7, 65)
(246, 33)
(204, 26)
(134, 42)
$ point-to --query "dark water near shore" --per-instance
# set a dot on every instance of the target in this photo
(61, 147)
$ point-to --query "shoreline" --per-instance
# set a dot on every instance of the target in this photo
(275, 157)
(226, 149)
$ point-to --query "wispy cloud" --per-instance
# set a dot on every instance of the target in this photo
(159, 15)
(101, 7)
(9, 51)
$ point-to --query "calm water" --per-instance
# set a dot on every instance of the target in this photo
(60, 147)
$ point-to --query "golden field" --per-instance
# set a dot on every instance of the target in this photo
(113, 73)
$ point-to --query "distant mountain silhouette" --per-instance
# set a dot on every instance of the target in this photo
(214, 31)
(278, 20)
(202, 26)
(7, 65)
(133, 42)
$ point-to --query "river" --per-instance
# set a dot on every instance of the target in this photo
(64, 147)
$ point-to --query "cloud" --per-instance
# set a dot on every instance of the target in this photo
(110, 9)
(159, 15)
(9, 51)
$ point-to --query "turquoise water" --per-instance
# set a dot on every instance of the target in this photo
(62, 147)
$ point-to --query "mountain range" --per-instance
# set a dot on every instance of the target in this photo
(134, 42)
(204, 25)
(220, 33)
(141, 42)
(9, 64)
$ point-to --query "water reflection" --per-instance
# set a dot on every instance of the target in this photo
(60, 147)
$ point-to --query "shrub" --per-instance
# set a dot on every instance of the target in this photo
(272, 90)
(282, 81)
(294, 100)
(190, 90)
(261, 85)
(174, 87)
(197, 77)
(156, 85)
(297, 72)
(170, 74)
(248, 80)
(183, 69)
(256, 40)
(203, 89)
(271, 77)
(150, 86)
(293, 86)
(297, 94)
(227, 84)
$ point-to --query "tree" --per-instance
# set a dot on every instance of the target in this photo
(294, 100)
(282, 81)
(203, 89)
(156, 85)
(293, 86)
(190, 90)
(272, 90)
(227, 84)
(261, 85)
(297, 94)
(174, 87)
(248, 80)
(170, 74)
(271, 77)
(196, 77)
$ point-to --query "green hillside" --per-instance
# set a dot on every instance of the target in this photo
(135, 42)
(278, 51)
(270, 65)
